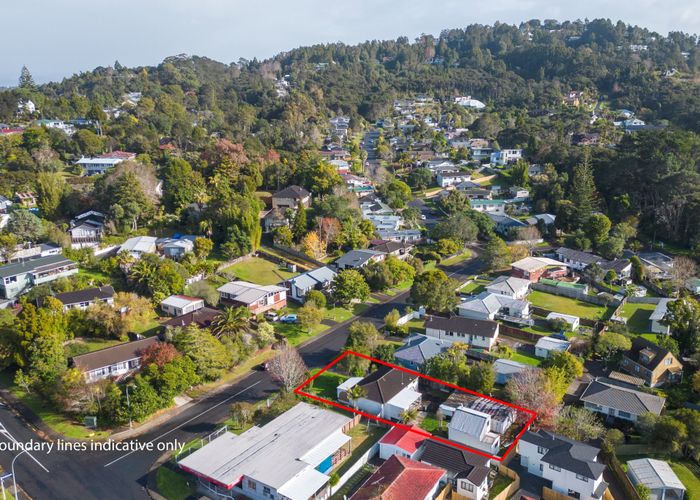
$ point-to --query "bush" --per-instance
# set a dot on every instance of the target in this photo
(316, 298)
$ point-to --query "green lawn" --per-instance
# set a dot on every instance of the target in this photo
(96, 277)
(689, 480)
(456, 259)
(260, 271)
(637, 316)
(295, 334)
(525, 359)
(432, 424)
(175, 485)
(566, 305)
(97, 344)
(688, 472)
(325, 384)
(499, 484)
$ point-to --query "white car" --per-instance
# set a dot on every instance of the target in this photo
(272, 316)
(422, 217)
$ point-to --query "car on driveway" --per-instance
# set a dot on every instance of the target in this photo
(272, 316)
(288, 318)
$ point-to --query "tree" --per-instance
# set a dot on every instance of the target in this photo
(26, 80)
(241, 413)
(458, 227)
(643, 491)
(420, 178)
(50, 187)
(447, 246)
(435, 291)
(313, 246)
(210, 357)
(317, 298)
(482, 377)
(396, 193)
(683, 317)
(25, 226)
(288, 368)
(579, 424)
(355, 393)
(299, 225)
(638, 272)
(363, 338)
(283, 236)
(670, 344)
(570, 364)
(350, 285)
(181, 185)
(613, 438)
(264, 334)
(496, 254)
(683, 268)
(668, 434)
(8, 245)
(391, 319)
(520, 174)
(159, 354)
(611, 343)
(597, 229)
(310, 316)
(202, 247)
(532, 389)
(232, 322)
(409, 415)
(583, 192)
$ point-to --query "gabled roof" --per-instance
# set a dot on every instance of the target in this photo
(535, 263)
(611, 394)
(86, 295)
(357, 258)
(400, 478)
(508, 284)
(391, 246)
(655, 474)
(470, 421)
(490, 303)
(385, 383)
(34, 265)
(203, 318)
(311, 278)
(660, 310)
(248, 293)
(111, 355)
(640, 344)
(463, 463)
(579, 256)
(180, 301)
(478, 327)
(566, 453)
(294, 192)
(408, 441)
(420, 348)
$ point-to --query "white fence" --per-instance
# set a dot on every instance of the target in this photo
(355, 467)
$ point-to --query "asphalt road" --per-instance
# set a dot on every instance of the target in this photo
(122, 474)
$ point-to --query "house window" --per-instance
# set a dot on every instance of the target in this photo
(541, 467)
(467, 486)
(636, 368)
(623, 414)
(252, 485)
(667, 361)
(582, 478)
(541, 450)
(266, 490)
(554, 467)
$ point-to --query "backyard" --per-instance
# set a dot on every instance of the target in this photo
(637, 316)
(688, 472)
(259, 271)
(568, 305)
(325, 384)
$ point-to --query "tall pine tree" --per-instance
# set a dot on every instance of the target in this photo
(583, 192)
(26, 80)
(299, 227)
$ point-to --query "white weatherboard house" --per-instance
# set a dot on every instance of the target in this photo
(572, 321)
(139, 245)
(177, 305)
(387, 392)
(617, 399)
(547, 345)
(490, 306)
(475, 332)
(571, 466)
(467, 472)
(316, 279)
(473, 428)
(509, 286)
(288, 458)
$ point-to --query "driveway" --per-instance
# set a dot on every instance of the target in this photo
(528, 481)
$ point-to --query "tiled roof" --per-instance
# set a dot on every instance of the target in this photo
(458, 324)
(463, 463)
(87, 295)
(408, 441)
(294, 192)
(566, 453)
(420, 348)
(400, 478)
(640, 344)
(608, 393)
(385, 383)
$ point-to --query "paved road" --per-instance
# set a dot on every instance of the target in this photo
(119, 474)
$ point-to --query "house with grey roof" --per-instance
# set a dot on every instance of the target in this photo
(291, 197)
(418, 349)
(475, 332)
(472, 428)
(506, 369)
(547, 345)
(490, 306)
(502, 416)
(509, 286)
(658, 476)
(356, 259)
(571, 466)
(19, 277)
(657, 316)
(316, 279)
(257, 298)
(617, 399)
(576, 259)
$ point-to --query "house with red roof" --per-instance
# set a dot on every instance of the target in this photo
(401, 442)
(400, 478)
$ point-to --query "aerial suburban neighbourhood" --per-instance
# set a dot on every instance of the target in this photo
(455, 266)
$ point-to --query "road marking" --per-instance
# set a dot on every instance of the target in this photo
(6, 433)
(187, 421)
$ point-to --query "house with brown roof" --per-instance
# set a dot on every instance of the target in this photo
(112, 362)
(291, 197)
(202, 318)
(401, 478)
(652, 363)
(467, 472)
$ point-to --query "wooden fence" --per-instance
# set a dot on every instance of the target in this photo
(616, 468)
(512, 487)
(511, 331)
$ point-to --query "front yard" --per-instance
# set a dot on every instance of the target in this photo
(566, 305)
(259, 271)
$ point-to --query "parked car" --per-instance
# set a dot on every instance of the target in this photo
(422, 217)
(272, 316)
(288, 318)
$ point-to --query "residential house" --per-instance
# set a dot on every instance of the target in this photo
(177, 305)
(400, 235)
(481, 153)
(272, 219)
(82, 299)
(473, 429)
(467, 472)
(5, 204)
(317, 279)
(388, 392)
(139, 245)
(576, 259)
(445, 179)
(112, 362)
(356, 259)
(506, 369)
(290, 457)
(658, 477)
(401, 442)
(501, 416)
(19, 277)
(547, 345)
(176, 248)
(518, 192)
(654, 364)
(103, 163)
(469, 102)
(26, 199)
(656, 318)
(505, 225)
(291, 197)
(571, 466)
(257, 298)
(24, 252)
(418, 349)
(475, 193)
(401, 478)
(399, 249)
(617, 399)
(497, 207)
(506, 156)
(533, 268)
(509, 286)
(203, 318)
(572, 321)
(87, 228)
(491, 306)
(622, 267)
(544, 219)
(475, 332)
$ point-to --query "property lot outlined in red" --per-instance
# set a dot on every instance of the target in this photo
(526, 426)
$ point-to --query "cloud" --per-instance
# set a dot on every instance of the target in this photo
(55, 39)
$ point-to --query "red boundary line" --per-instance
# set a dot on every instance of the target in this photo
(427, 434)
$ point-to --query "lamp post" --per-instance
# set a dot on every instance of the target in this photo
(12, 467)
(128, 403)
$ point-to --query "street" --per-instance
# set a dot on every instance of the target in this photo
(104, 475)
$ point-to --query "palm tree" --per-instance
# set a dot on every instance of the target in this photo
(231, 322)
(409, 415)
(356, 392)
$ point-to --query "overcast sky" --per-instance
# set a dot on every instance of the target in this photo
(56, 38)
